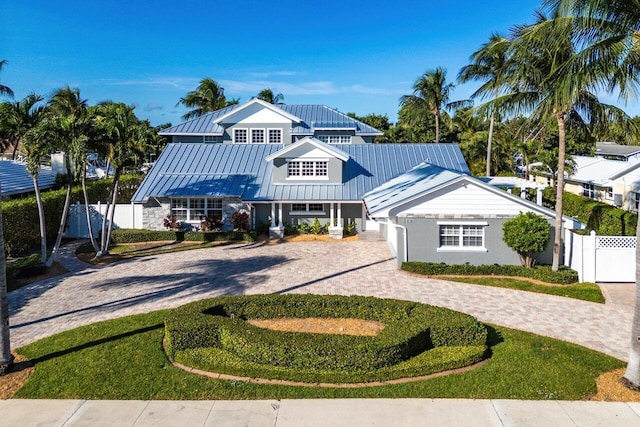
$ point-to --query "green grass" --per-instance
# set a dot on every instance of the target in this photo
(583, 291)
(123, 359)
(132, 250)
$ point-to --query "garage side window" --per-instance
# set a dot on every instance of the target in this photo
(462, 236)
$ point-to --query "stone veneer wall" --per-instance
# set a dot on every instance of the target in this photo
(155, 210)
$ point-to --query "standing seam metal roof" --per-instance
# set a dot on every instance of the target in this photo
(198, 169)
(312, 117)
(16, 180)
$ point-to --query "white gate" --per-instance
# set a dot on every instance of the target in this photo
(601, 258)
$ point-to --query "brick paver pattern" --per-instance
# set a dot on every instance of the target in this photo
(88, 294)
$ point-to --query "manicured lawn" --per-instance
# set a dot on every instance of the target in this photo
(123, 359)
(122, 251)
(584, 291)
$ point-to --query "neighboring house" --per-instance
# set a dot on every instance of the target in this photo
(438, 215)
(613, 151)
(16, 180)
(292, 164)
(614, 182)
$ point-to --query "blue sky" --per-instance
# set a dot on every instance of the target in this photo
(356, 56)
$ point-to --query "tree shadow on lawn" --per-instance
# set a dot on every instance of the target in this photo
(206, 278)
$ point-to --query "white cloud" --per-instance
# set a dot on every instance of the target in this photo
(152, 107)
(184, 83)
(267, 74)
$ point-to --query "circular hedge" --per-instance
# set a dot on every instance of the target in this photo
(213, 334)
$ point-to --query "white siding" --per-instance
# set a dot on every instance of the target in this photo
(464, 199)
(258, 114)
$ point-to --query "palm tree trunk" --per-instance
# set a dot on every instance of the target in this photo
(6, 358)
(489, 140)
(43, 225)
(116, 183)
(632, 374)
(87, 209)
(15, 150)
(63, 219)
(557, 243)
(437, 116)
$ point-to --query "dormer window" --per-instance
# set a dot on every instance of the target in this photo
(335, 139)
(240, 136)
(307, 169)
(275, 136)
(257, 136)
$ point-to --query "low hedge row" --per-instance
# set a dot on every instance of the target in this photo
(541, 272)
(124, 235)
(20, 216)
(435, 360)
(411, 329)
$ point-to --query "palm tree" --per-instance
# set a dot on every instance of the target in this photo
(489, 64)
(431, 95)
(608, 30)
(267, 96)
(207, 97)
(125, 136)
(16, 118)
(5, 90)
(67, 126)
(549, 82)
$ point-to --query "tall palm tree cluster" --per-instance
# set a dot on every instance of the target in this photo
(65, 123)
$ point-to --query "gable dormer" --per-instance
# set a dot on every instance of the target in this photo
(308, 161)
(257, 122)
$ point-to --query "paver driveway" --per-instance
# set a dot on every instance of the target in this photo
(90, 294)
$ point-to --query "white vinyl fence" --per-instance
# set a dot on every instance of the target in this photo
(601, 258)
(125, 216)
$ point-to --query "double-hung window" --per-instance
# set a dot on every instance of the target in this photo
(462, 236)
(308, 169)
(191, 209)
(240, 136)
(589, 190)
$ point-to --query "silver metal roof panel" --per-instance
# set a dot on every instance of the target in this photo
(16, 180)
(368, 167)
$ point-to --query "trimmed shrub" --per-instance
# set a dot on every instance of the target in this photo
(528, 235)
(605, 219)
(124, 235)
(411, 329)
(544, 273)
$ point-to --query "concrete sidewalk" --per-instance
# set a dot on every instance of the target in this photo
(321, 412)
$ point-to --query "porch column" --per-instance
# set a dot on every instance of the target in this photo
(273, 214)
(523, 193)
(335, 231)
(539, 196)
(331, 214)
(280, 209)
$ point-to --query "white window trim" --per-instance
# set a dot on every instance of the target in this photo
(608, 193)
(461, 248)
(307, 177)
(264, 135)
(234, 135)
(307, 212)
(326, 138)
(188, 209)
(591, 189)
(268, 141)
(634, 197)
